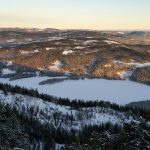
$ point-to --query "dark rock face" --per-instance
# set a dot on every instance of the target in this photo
(141, 75)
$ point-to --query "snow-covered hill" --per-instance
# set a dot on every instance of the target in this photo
(46, 112)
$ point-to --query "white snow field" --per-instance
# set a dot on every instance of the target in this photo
(117, 91)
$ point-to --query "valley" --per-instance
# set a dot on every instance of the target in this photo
(69, 63)
(74, 89)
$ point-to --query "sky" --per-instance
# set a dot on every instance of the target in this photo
(76, 14)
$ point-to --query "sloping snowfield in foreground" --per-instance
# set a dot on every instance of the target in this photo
(120, 92)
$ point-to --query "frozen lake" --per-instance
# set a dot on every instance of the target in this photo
(120, 92)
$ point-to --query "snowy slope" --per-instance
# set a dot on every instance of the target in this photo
(45, 111)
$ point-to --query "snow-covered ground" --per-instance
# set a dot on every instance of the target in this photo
(55, 38)
(24, 52)
(79, 47)
(48, 48)
(36, 51)
(120, 92)
(110, 42)
(29, 52)
(11, 40)
(121, 32)
(125, 74)
(66, 52)
(56, 66)
(84, 116)
(89, 42)
(133, 65)
(93, 51)
(7, 71)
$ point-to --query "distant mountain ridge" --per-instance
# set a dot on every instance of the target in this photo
(29, 29)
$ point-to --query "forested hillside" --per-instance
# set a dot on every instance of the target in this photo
(46, 122)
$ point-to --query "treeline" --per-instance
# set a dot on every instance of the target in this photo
(76, 104)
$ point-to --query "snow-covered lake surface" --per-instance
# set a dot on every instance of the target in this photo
(120, 92)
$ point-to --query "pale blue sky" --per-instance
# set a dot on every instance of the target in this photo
(76, 14)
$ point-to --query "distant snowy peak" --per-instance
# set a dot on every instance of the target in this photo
(32, 30)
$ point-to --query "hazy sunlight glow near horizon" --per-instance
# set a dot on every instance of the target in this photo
(76, 14)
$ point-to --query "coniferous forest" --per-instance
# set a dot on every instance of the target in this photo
(21, 128)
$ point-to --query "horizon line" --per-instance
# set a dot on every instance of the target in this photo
(42, 28)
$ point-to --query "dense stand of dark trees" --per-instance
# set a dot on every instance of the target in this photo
(77, 104)
(11, 132)
(45, 133)
(130, 137)
(96, 137)
(103, 136)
